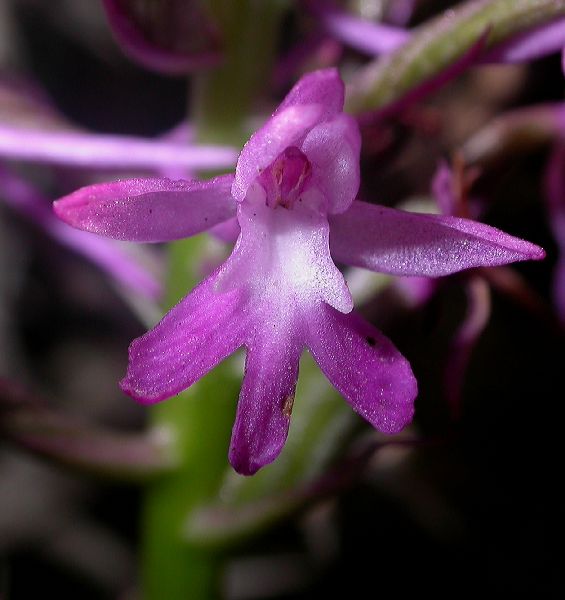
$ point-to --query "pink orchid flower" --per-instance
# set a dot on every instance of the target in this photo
(293, 195)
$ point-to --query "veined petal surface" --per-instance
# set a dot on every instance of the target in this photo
(149, 210)
(267, 394)
(192, 338)
(402, 243)
(364, 366)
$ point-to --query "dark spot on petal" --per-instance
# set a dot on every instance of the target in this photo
(371, 341)
(288, 403)
(150, 211)
(205, 219)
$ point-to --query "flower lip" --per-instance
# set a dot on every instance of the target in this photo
(285, 178)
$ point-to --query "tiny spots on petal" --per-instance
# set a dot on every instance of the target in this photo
(288, 403)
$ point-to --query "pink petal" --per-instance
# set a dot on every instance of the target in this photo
(402, 243)
(536, 43)
(190, 340)
(285, 128)
(364, 367)
(316, 98)
(100, 151)
(171, 37)
(149, 210)
(333, 149)
(363, 35)
(227, 231)
(266, 398)
(323, 87)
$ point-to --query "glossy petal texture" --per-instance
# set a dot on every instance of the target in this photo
(149, 210)
(364, 366)
(401, 243)
(190, 340)
(315, 99)
(267, 395)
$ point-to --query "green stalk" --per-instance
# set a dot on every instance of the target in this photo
(200, 419)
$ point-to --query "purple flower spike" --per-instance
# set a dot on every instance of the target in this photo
(280, 292)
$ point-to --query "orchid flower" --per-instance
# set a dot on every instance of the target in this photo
(293, 195)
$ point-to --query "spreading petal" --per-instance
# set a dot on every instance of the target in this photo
(316, 98)
(364, 366)
(149, 210)
(402, 243)
(190, 340)
(267, 395)
(333, 149)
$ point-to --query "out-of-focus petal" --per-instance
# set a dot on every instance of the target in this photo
(333, 150)
(465, 340)
(364, 366)
(149, 210)
(316, 98)
(169, 36)
(366, 36)
(191, 339)
(539, 42)
(442, 189)
(98, 151)
(402, 243)
(111, 257)
(267, 394)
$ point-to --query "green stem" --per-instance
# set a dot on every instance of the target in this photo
(200, 419)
